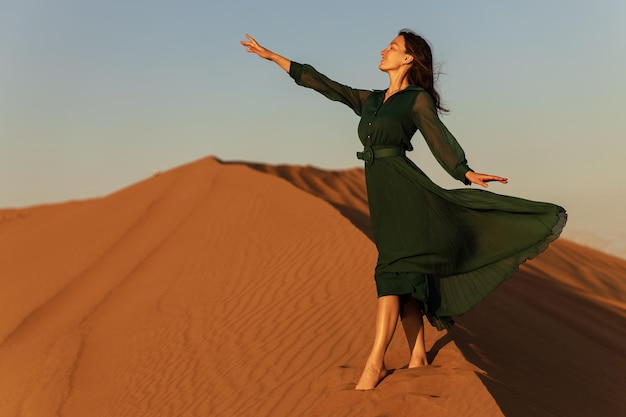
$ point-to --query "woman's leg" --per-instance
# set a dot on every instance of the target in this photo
(413, 323)
(386, 319)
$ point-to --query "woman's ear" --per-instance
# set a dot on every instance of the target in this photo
(408, 59)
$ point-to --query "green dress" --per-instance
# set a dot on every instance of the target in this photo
(447, 248)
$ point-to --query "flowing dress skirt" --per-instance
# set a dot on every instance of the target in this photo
(450, 248)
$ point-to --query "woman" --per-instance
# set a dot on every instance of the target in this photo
(440, 251)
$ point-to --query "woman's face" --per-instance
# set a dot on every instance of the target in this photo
(394, 55)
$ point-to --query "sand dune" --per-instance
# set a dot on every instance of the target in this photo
(240, 289)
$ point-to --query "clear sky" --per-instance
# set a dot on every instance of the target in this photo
(97, 95)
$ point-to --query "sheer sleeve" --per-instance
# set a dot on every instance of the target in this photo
(307, 76)
(441, 142)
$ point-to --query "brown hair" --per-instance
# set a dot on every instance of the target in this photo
(421, 72)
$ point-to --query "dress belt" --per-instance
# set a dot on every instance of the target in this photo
(369, 154)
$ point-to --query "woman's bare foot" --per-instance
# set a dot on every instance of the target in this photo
(370, 377)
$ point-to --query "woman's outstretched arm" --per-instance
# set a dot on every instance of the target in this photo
(444, 145)
(264, 53)
(307, 76)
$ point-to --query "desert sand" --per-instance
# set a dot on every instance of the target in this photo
(242, 289)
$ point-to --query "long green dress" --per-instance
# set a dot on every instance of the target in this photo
(447, 248)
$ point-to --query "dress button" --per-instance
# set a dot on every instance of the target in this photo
(370, 123)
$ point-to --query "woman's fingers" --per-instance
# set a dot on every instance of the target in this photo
(251, 42)
(488, 178)
(254, 47)
(483, 179)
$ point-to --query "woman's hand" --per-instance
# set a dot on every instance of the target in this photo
(483, 179)
(264, 53)
(255, 48)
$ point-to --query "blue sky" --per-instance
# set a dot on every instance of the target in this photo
(96, 95)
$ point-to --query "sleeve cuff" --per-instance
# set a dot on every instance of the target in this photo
(295, 70)
(464, 170)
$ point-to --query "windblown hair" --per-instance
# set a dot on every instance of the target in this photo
(421, 73)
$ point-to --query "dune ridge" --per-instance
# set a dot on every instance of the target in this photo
(243, 289)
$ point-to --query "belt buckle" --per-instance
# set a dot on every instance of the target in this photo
(367, 155)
